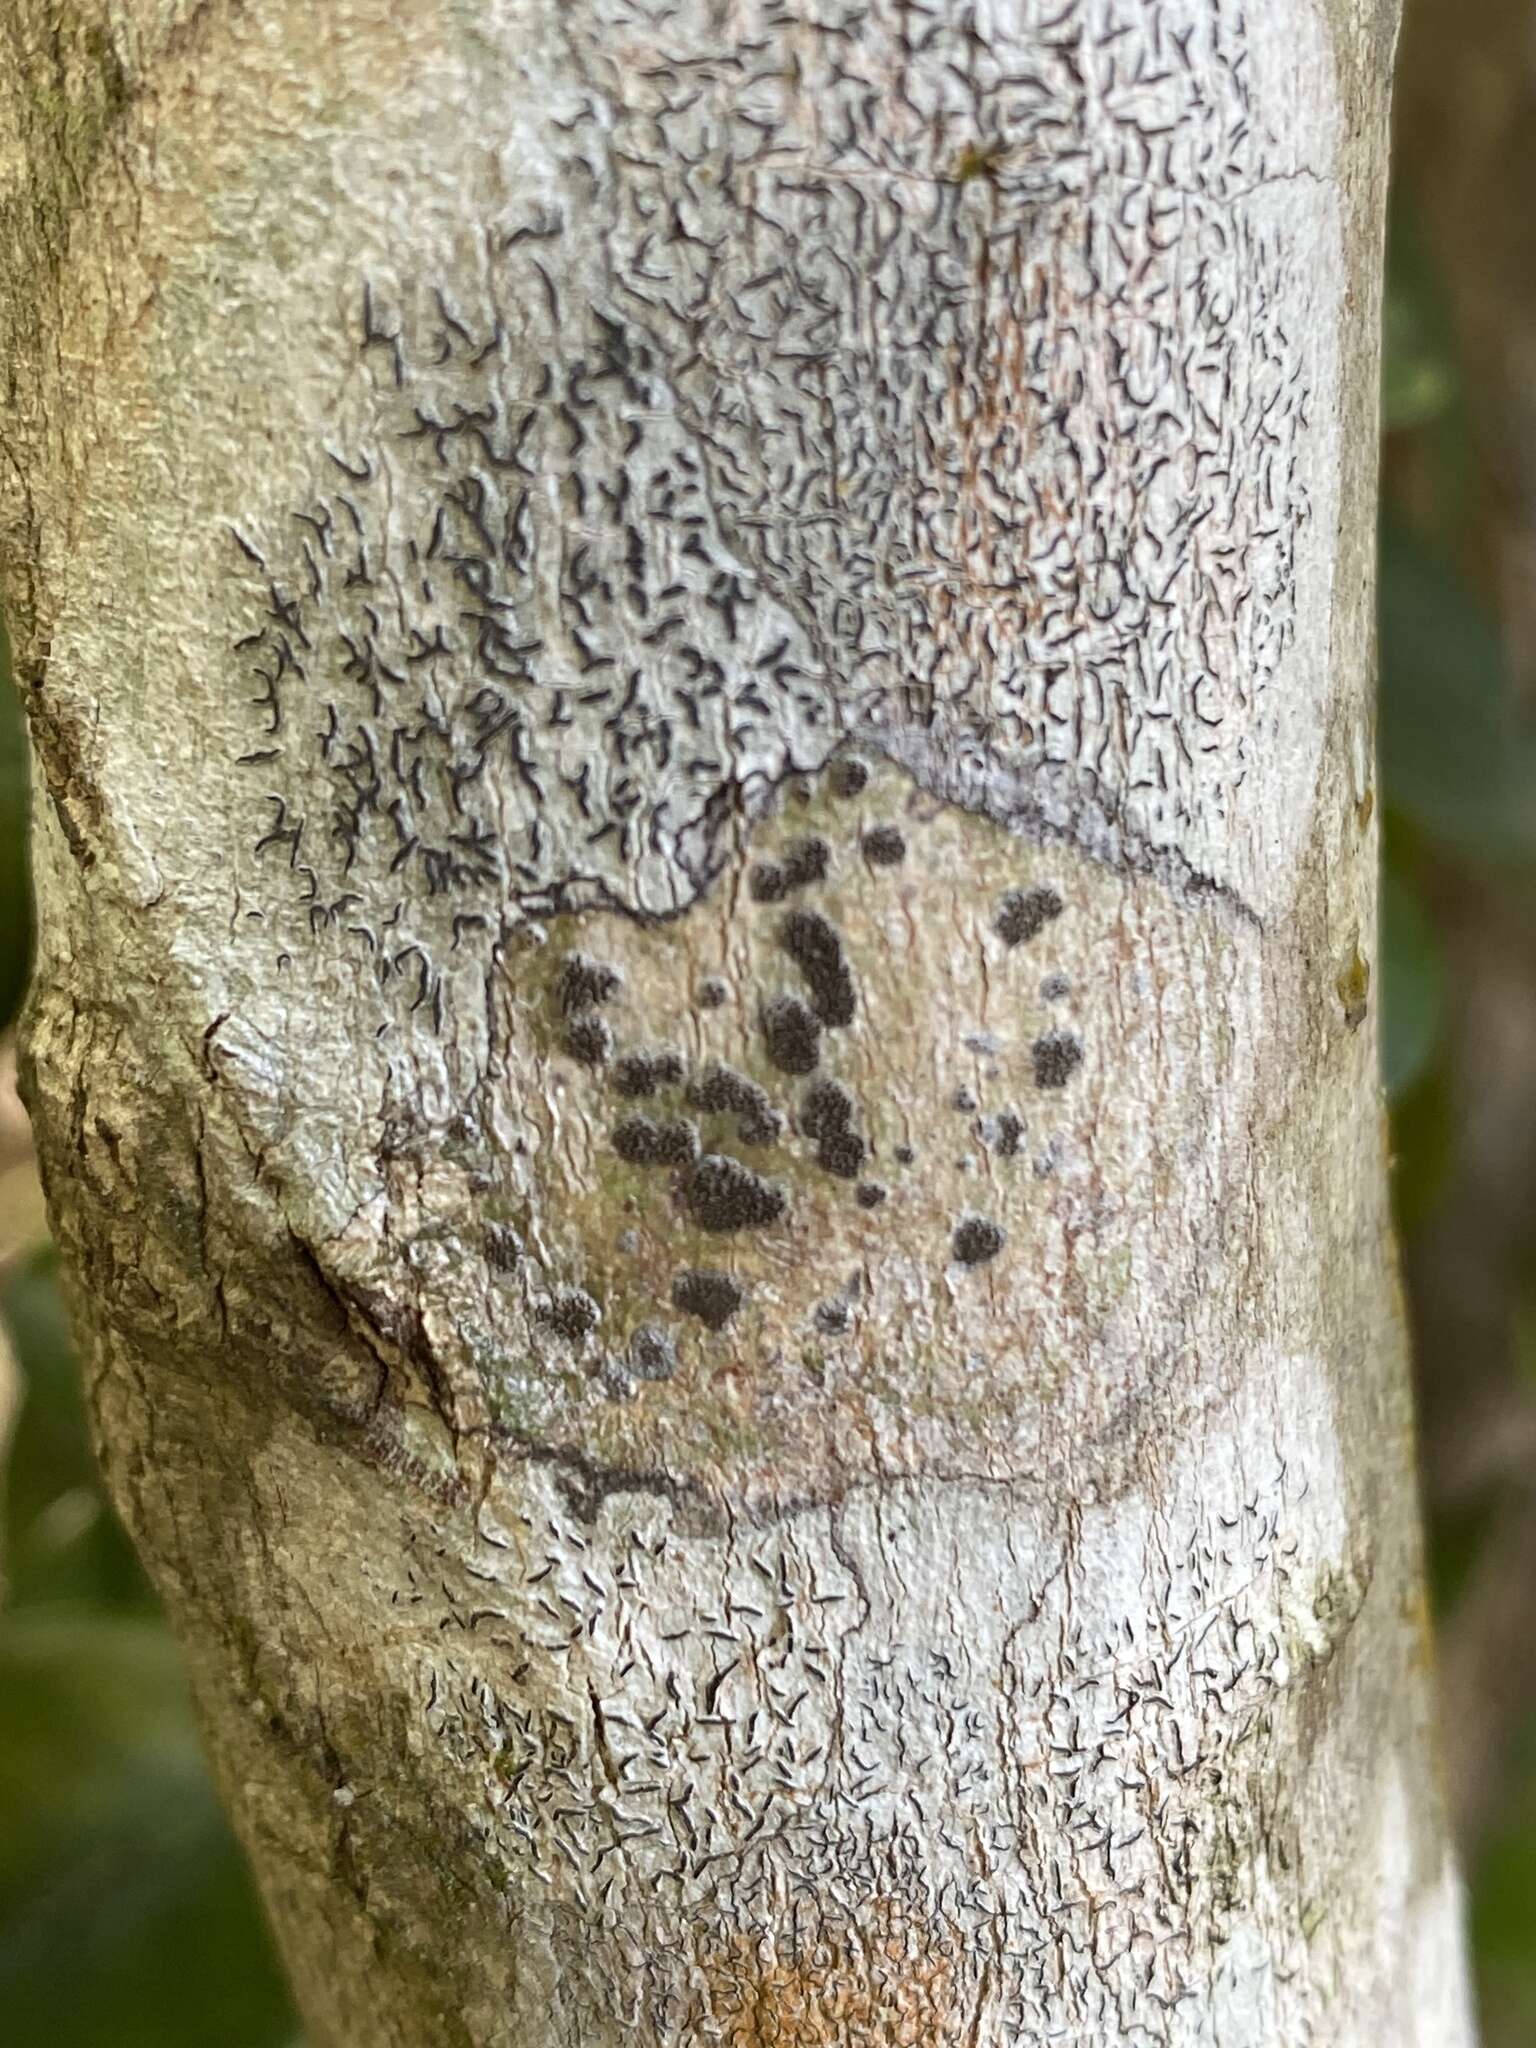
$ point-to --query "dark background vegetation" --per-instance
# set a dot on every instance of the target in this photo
(126, 1919)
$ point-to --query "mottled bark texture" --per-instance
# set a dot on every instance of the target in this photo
(704, 1043)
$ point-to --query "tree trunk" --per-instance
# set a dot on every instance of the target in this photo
(701, 685)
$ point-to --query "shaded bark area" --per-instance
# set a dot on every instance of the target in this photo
(708, 905)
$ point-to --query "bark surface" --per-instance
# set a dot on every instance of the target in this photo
(704, 1046)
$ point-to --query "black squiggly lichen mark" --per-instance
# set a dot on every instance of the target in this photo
(596, 583)
(409, 623)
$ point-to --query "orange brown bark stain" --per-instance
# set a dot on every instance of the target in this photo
(891, 1981)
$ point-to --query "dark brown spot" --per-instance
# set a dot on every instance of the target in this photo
(721, 1194)
(871, 1193)
(833, 1318)
(1005, 1133)
(571, 1312)
(849, 776)
(767, 882)
(792, 1035)
(712, 993)
(808, 860)
(584, 982)
(1023, 913)
(976, 1240)
(503, 1247)
(642, 1142)
(885, 846)
(841, 1153)
(1056, 1058)
(816, 949)
(825, 1106)
(712, 1296)
(826, 1114)
(722, 1091)
(641, 1073)
(588, 1040)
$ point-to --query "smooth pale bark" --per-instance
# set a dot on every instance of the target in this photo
(599, 584)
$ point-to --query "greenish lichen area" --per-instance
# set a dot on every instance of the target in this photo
(69, 89)
(836, 1171)
(63, 95)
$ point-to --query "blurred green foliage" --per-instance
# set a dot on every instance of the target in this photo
(1467, 782)
(126, 1917)
(1457, 758)
(1502, 1901)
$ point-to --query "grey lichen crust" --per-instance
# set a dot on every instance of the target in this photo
(939, 376)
